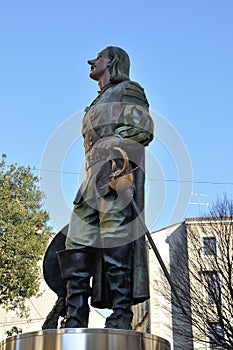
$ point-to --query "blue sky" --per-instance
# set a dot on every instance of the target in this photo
(181, 52)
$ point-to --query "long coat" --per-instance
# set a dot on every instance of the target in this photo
(139, 275)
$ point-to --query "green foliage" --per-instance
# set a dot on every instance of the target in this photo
(13, 331)
(24, 235)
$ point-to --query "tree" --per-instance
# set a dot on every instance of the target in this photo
(201, 267)
(24, 235)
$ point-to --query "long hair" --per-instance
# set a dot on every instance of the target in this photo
(119, 65)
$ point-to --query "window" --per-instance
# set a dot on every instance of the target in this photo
(213, 285)
(216, 336)
(210, 245)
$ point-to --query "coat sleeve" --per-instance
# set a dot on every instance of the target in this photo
(140, 126)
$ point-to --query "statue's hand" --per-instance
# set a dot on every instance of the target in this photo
(107, 143)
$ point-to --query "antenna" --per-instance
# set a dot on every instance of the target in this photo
(199, 203)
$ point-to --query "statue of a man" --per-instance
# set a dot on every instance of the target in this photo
(104, 239)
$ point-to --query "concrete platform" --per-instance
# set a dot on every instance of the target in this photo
(84, 339)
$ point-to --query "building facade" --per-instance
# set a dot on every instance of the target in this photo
(198, 255)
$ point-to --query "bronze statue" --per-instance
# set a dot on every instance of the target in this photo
(104, 239)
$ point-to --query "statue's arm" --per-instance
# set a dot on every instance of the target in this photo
(133, 133)
(138, 125)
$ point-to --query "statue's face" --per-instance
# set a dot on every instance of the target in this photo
(99, 65)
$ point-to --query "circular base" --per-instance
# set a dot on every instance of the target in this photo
(84, 339)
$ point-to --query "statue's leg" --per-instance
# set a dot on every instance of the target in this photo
(115, 228)
(118, 265)
(76, 268)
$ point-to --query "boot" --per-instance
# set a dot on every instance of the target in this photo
(118, 265)
(76, 266)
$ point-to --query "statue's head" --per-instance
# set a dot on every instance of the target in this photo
(119, 65)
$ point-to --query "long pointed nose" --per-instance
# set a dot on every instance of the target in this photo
(91, 61)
